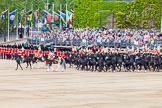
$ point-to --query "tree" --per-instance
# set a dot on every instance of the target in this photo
(140, 14)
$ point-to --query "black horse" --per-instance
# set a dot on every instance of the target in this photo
(18, 61)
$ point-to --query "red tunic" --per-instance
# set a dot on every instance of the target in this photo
(23, 52)
(46, 52)
(40, 52)
(15, 50)
(31, 51)
(12, 50)
(56, 49)
(19, 52)
(5, 50)
(58, 54)
(26, 52)
(63, 54)
(158, 52)
(0, 50)
(9, 51)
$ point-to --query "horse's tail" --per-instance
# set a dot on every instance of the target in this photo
(42, 58)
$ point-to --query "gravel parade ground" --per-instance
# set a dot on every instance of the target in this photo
(38, 88)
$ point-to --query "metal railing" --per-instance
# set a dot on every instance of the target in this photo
(79, 42)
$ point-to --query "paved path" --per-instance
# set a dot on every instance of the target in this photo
(77, 89)
(12, 40)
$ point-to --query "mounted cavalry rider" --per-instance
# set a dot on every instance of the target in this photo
(38, 54)
(18, 60)
(50, 60)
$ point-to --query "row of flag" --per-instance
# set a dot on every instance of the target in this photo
(11, 15)
(54, 16)
(47, 16)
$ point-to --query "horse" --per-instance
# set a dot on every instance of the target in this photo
(92, 62)
(119, 62)
(28, 60)
(61, 64)
(18, 61)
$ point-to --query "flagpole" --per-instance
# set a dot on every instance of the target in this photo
(47, 5)
(17, 28)
(53, 16)
(161, 22)
(25, 21)
(38, 20)
(60, 15)
(8, 25)
(66, 15)
(31, 22)
(5, 28)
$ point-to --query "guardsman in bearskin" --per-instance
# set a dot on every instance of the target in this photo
(5, 51)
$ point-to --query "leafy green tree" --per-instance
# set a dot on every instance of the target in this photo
(140, 14)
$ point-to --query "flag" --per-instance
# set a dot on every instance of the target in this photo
(69, 16)
(63, 17)
(12, 16)
(3, 14)
(47, 16)
(72, 14)
(56, 16)
(21, 16)
(29, 15)
(72, 11)
(36, 14)
(44, 21)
